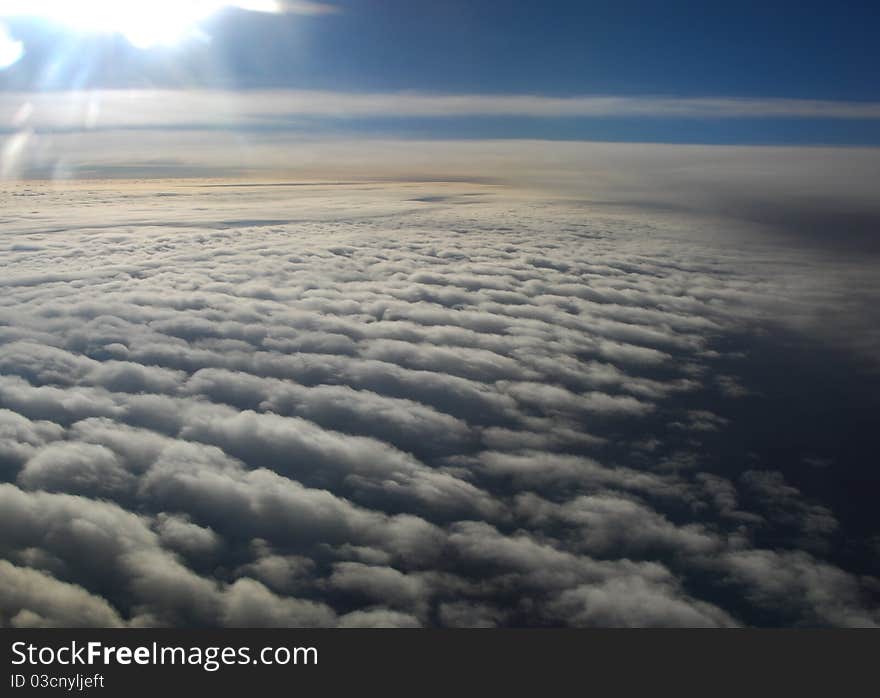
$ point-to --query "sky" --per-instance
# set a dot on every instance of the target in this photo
(645, 51)
(459, 314)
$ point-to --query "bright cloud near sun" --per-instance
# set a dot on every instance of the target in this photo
(144, 23)
(10, 49)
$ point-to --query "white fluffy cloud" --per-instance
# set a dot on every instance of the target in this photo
(401, 405)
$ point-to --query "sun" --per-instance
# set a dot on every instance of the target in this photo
(144, 23)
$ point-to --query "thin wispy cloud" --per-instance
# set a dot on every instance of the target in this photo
(305, 7)
(170, 108)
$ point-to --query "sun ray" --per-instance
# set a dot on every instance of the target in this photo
(144, 23)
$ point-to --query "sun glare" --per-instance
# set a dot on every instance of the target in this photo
(144, 23)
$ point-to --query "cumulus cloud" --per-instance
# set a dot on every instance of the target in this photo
(631, 602)
(397, 405)
(77, 468)
(31, 599)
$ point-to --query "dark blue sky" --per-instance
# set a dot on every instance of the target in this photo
(803, 50)
(794, 49)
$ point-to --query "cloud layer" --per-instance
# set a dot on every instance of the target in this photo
(267, 108)
(390, 405)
